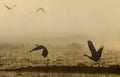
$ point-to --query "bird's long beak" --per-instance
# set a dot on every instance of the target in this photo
(84, 55)
(27, 52)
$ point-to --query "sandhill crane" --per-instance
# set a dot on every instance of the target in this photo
(9, 8)
(95, 54)
(38, 47)
(40, 9)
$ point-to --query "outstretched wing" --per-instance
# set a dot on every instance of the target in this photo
(45, 52)
(7, 6)
(100, 51)
(91, 47)
(40, 9)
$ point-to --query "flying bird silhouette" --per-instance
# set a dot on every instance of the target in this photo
(9, 8)
(95, 54)
(38, 47)
(40, 9)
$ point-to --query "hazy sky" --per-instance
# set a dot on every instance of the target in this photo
(62, 18)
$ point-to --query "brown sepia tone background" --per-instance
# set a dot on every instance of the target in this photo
(64, 29)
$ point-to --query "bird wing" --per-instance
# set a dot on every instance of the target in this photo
(37, 10)
(91, 47)
(40, 9)
(100, 51)
(7, 6)
(44, 53)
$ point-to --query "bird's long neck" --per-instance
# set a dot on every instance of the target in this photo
(88, 56)
(45, 49)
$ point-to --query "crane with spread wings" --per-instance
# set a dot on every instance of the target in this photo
(9, 8)
(95, 54)
(38, 47)
(40, 9)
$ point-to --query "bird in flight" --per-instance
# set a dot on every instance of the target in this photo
(9, 8)
(38, 47)
(40, 9)
(95, 54)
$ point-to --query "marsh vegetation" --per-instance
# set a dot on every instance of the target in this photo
(61, 53)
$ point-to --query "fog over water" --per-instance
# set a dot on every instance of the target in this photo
(63, 18)
(64, 30)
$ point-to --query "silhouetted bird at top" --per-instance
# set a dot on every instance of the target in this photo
(95, 54)
(40, 9)
(38, 47)
(9, 8)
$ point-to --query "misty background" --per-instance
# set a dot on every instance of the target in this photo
(88, 19)
(63, 29)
